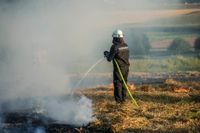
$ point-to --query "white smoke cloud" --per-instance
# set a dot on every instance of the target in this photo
(40, 38)
(37, 40)
(76, 112)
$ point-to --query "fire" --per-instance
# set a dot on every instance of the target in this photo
(132, 87)
(182, 89)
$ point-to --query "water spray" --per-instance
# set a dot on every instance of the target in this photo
(87, 72)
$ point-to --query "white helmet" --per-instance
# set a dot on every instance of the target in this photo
(117, 33)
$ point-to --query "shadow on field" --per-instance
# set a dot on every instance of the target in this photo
(195, 97)
(162, 98)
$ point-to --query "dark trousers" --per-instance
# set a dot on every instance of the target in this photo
(119, 88)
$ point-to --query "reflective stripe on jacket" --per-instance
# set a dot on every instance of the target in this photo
(121, 53)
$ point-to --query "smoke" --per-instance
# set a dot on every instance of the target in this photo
(38, 40)
(76, 112)
(41, 40)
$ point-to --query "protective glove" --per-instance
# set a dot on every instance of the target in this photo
(106, 54)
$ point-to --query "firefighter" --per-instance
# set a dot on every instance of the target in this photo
(120, 52)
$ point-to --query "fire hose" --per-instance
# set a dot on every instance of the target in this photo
(120, 73)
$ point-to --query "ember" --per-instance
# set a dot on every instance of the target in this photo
(130, 86)
(183, 89)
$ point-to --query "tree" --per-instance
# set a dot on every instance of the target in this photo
(139, 44)
(197, 44)
(179, 45)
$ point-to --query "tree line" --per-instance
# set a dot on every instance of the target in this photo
(139, 44)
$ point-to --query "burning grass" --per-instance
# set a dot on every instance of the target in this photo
(161, 109)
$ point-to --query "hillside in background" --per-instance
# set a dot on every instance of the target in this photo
(192, 18)
(162, 29)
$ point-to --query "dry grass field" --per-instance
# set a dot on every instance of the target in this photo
(170, 107)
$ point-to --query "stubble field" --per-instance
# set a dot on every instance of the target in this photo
(169, 107)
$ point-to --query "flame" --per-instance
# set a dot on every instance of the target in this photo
(182, 89)
(132, 87)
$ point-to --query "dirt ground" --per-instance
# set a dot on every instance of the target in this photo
(170, 107)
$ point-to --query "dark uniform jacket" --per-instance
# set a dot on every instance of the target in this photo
(120, 52)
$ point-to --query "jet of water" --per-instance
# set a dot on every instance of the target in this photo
(87, 72)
